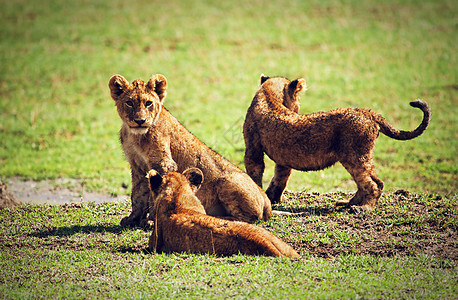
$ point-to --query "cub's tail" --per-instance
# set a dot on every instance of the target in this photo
(388, 129)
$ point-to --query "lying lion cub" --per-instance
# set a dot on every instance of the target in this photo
(153, 139)
(181, 224)
(315, 141)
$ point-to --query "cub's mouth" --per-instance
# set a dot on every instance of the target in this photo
(138, 129)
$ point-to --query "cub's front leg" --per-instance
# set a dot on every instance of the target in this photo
(158, 156)
(140, 199)
(150, 154)
(159, 159)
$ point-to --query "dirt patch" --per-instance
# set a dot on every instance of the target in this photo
(56, 192)
(404, 223)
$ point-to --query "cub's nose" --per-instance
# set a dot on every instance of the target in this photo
(140, 122)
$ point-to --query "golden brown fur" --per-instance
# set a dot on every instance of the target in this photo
(153, 139)
(315, 141)
(181, 224)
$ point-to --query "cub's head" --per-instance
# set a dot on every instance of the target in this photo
(139, 104)
(176, 189)
(284, 90)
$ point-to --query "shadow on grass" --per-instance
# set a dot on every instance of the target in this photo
(135, 250)
(315, 211)
(71, 230)
(66, 231)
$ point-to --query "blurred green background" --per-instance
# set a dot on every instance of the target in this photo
(56, 57)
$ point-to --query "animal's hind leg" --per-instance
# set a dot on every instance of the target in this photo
(369, 185)
(254, 162)
(241, 198)
(377, 180)
(278, 183)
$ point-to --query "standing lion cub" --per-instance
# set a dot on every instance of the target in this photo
(181, 224)
(315, 141)
(153, 139)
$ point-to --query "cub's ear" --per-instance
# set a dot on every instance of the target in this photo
(158, 84)
(118, 85)
(297, 86)
(154, 180)
(195, 177)
(264, 78)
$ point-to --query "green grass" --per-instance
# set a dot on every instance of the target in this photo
(80, 251)
(58, 120)
(96, 274)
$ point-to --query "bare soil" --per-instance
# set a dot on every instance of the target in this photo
(58, 192)
(403, 224)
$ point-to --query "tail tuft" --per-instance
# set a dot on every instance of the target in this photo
(419, 104)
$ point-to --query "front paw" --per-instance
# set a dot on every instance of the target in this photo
(171, 167)
(165, 167)
(129, 222)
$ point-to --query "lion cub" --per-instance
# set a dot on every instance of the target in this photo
(315, 141)
(153, 139)
(181, 223)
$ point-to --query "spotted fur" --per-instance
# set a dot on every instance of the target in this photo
(153, 139)
(315, 141)
(181, 224)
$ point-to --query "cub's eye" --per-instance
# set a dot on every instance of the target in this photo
(129, 103)
(148, 103)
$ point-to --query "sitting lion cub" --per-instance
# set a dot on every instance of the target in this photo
(181, 224)
(153, 139)
(315, 141)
